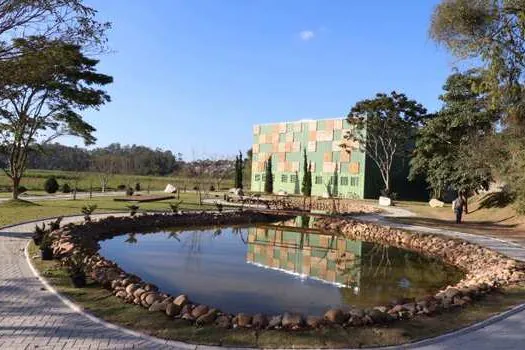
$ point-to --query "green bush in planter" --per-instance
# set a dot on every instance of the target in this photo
(45, 247)
(76, 270)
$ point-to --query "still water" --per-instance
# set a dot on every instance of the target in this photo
(273, 268)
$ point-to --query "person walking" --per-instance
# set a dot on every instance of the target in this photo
(457, 206)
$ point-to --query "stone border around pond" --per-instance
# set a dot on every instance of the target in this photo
(485, 270)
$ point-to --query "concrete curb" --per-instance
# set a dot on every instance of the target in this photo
(144, 337)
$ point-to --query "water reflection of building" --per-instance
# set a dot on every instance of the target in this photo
(304, 252)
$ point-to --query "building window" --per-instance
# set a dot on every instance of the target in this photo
(293, 178)
(354, 181)
(344, 181)
(263, 177)
(284, 178)
(257, 177)
(318, 180)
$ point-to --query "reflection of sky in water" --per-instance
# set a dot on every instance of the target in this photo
(214, 271)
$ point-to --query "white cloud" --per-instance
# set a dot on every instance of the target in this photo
(306, 35)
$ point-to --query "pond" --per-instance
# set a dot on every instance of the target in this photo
(273, 268)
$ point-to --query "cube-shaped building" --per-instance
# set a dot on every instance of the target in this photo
(336, 172)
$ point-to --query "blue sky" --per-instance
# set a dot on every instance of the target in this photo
(193, 76)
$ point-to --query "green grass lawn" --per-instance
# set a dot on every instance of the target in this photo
(12, 212)
(34, 181)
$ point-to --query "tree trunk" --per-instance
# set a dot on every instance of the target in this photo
(16, 184)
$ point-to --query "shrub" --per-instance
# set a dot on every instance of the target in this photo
(212, 188)
(75, 266)
(195, 188)
(22, 189)
(133, 209)
(121, 187)
(87, 210)
(38, 233)
(66, 188)
(45, 247)
(175, 207)
(55, 225)
(137, 186)
(219, 207)
(129, 191)
(51, 185)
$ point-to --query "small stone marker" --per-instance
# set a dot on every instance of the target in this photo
(385, 201)
(436, 203)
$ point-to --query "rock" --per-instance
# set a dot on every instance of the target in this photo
(130, 289)
(292, 320)
(115, 284)
(181, 300)
(385, 201)
(356, 321)
(199, 310)
(396, 309)
(243, 320)
(379, 316)
(223, 322)
(381, 308)
(355, 312)
(151, 288)
(158, 306)
(121, 294)
(436, 203)
(275, 322)
(207, 318)
(172, 309)
(335, 316)
(259, 321)
(138, 292)
(410, 307)
(186, 309)
(152, 298)
(170, 189)
(313, 321)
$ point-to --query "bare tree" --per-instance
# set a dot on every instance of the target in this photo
(105, 166)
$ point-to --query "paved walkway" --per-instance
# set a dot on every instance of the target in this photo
(31, 317)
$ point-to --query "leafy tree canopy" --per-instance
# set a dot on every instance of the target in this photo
(384, 129)
(447, 146)
(43, 90)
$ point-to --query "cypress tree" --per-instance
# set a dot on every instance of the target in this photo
(304, 187)
(236, 179)
(308, 191)
(240, 170)
(268, 182)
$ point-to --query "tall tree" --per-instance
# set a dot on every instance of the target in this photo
(446, 146)
(491, 34)
(384, 129)
(42, 91)
(308, 192)
(240, 171)
(268, 180)
(304, 185)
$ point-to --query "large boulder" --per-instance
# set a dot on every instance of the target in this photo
(436, 203)
(385, 201)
